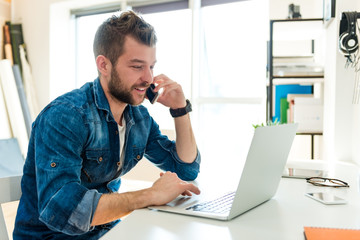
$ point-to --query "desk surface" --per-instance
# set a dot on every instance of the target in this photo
(281, 218)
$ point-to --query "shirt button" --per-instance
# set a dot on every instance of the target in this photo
(100, 159)
(118, 164)
(53, 164)
(116, 132)
(138, 157)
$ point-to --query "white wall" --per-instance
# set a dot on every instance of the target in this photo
(340, 127)
(356, 117)
(51, 61)
(4, 9)
(47, 32)
(279, 9)
(34, 15)
(341, 124)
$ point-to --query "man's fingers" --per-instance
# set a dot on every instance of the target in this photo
(173, 186)
(189, 187)
(186, 193)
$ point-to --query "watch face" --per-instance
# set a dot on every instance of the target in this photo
(188, 106)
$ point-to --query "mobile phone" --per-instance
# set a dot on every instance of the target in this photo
(326, 198)
(151, 95)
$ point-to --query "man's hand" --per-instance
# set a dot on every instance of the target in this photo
(169, 186)
(116, 205)
(172, 95)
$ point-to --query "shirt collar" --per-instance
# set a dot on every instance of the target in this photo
(102, 103)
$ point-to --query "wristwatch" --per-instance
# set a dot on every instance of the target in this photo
(181, 111)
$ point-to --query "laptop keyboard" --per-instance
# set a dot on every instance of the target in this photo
(218, 205)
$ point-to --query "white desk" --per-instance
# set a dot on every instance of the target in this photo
(281, 218)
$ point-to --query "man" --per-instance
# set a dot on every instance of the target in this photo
(83, 141)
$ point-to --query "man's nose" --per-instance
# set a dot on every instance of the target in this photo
(148, 75)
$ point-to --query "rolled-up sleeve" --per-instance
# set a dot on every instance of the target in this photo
(162, 152)
(76, 217)
(64, 204)
(81, 217)
(187, 171)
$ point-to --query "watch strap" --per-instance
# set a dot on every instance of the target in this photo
(181, 111)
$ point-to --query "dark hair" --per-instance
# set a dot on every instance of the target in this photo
(110, 36)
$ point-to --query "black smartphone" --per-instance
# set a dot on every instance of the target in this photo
(151, 95)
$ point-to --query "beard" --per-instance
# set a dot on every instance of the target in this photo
(118, 90)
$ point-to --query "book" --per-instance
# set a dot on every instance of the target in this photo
(308, 112)
(7, 44)
(281, 91)
(2, 40)
(17, 39)
(284, 106)
(321, 233)
(290, 99)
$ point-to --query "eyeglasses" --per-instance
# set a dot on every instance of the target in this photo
(326, 182)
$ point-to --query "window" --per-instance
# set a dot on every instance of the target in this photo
(229, 94)
(233, 48)
(173, 52)
(86, 27)
(232, 79)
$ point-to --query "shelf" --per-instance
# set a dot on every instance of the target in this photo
(309, 133)
(289, 67)
(305, 80)
(312, 134)
(298, 29)
(302, 80)
(295, 58)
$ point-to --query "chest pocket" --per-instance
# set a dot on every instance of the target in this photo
(136, 155)
(97, 166)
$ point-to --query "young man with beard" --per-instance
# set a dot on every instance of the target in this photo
(84, 141)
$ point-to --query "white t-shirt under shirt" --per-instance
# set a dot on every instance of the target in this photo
(122, 130)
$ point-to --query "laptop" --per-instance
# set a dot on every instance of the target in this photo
(260, 178)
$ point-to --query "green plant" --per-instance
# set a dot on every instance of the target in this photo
(268, 123)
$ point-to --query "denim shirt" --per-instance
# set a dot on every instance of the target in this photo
(73, 159)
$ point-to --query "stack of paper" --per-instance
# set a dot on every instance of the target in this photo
(308, 112)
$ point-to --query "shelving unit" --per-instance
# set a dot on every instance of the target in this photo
(305, 30)
(294, 33)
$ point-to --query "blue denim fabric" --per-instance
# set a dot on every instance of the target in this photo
(72, 160)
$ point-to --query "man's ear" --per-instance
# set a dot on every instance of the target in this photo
(103, 65)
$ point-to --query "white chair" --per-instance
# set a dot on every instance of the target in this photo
(11, 165)
(10, 190)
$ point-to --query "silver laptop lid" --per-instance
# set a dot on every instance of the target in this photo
(264, 165)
